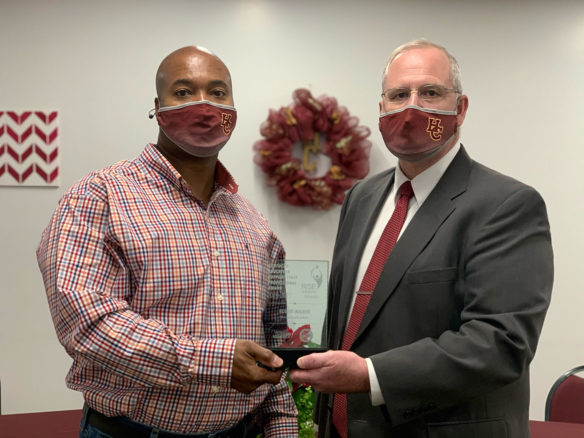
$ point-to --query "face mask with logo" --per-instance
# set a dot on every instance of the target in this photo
(414, 133)
(199, 128)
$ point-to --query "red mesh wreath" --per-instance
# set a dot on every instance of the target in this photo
(304, 121)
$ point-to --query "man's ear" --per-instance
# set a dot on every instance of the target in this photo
(461, 107)
(154, 111)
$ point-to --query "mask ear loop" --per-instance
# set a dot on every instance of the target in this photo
(458, 100)
(151, 113)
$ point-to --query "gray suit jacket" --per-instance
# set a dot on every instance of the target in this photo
(455, 317)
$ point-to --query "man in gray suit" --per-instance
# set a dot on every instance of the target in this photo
(453, 318)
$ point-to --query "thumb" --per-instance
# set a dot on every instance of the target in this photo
(268, 357)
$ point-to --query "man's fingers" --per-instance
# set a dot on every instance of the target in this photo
(262, 374)
(255, 377)
(300, 376)
(274, 377)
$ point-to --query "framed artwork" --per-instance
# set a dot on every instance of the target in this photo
(29, 148)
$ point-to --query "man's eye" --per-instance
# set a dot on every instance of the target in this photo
(218, 93)
(399, 95)
(182, 93)
(430, 92)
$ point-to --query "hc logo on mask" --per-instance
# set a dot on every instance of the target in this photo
(226, 122)
(435, 128)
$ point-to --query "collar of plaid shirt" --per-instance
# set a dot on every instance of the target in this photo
(149, 290)
(154, 158)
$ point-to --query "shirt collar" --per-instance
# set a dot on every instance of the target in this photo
(158, 162)
(424, 183)
(224, 178)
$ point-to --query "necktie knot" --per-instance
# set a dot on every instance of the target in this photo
(406, 190)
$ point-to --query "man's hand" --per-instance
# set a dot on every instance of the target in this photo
(333, 371)
(247, 375)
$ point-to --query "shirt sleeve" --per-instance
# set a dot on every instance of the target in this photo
(375, 394)
(278, 410)
(275, 314)
(89, 289)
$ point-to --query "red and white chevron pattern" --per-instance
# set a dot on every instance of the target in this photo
(29, 148)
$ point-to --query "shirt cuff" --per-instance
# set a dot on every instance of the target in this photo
(213, 361)
(375, 394)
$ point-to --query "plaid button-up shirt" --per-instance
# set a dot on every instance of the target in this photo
(149, 290)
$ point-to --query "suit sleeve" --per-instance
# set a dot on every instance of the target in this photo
(505, 288)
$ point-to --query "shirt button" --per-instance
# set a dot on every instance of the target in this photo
(216, 253)
(214, 389)
(219, 297)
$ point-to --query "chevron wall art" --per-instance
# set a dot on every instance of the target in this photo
(29, 148)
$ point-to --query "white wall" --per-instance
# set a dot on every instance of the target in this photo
(522, 62)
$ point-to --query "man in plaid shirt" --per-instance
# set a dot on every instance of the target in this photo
(157, 274)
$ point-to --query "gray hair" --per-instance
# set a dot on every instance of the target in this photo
(422, 43)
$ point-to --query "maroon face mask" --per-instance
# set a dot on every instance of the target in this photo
(199, 128)
(414, 133)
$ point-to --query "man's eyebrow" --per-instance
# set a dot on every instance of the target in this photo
(218, 83)
(188, 82)
(182, 82)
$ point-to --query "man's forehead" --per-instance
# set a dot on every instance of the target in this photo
(188, 61)
(427, 55)
(191, 57)
(420, 61)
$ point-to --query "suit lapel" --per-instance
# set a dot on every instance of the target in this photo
(366, 209)
(427, 220)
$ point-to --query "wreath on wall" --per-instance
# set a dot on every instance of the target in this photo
(296, 139)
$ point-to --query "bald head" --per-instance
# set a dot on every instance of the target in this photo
(195, 73)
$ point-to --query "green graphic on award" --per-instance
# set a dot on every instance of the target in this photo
(301, 288)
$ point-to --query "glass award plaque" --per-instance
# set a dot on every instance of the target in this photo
(302, 286)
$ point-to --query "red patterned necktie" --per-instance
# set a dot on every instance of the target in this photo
(382, 250)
